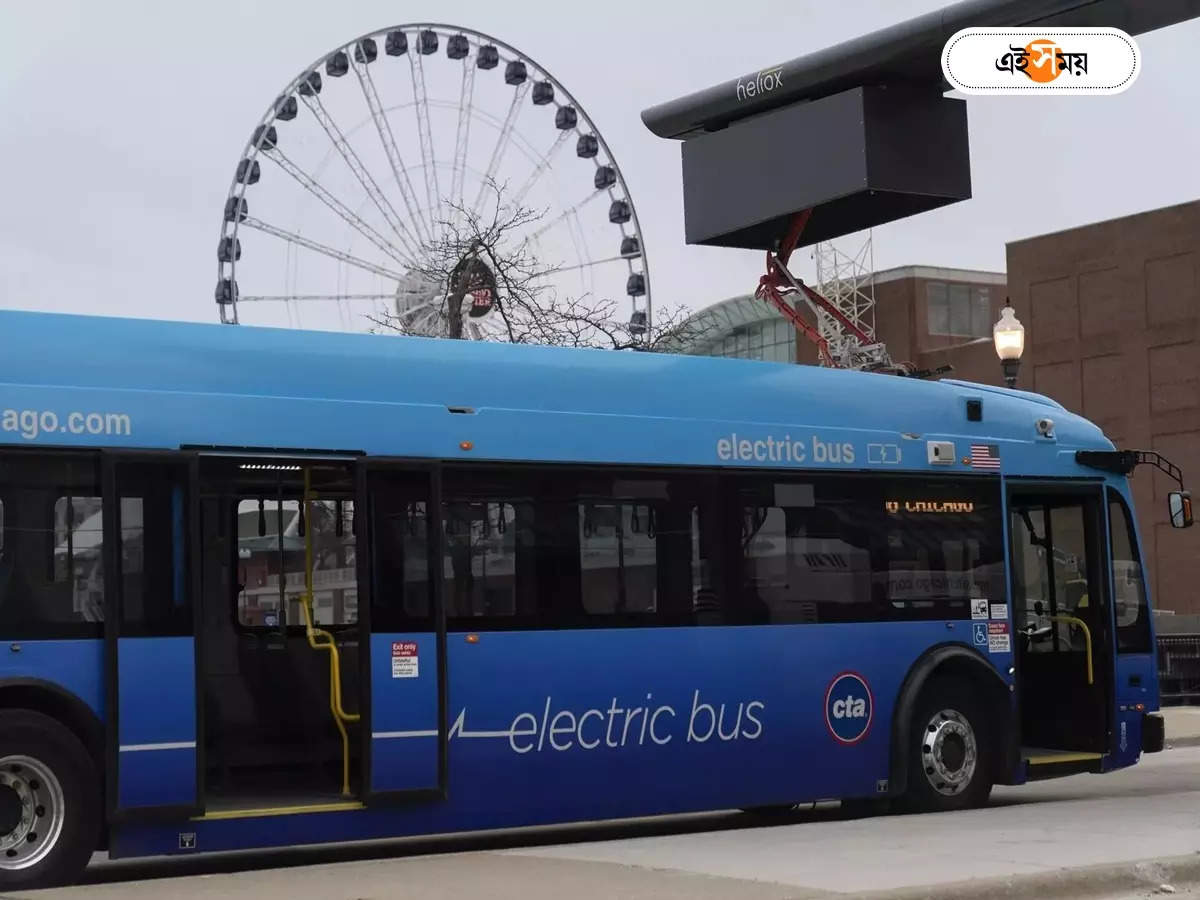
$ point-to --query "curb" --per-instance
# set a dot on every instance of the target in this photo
(1192, 740)
(1084, 883)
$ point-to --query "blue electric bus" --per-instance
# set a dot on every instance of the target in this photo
(265, 587)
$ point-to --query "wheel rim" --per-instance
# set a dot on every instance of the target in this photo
(42, 812)
(949, 753)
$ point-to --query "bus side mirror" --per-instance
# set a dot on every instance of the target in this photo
(1179, 505)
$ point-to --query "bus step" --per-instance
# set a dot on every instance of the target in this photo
(1043, 763)
(296, 810)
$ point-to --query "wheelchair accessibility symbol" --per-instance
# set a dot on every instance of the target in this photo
(979, 634)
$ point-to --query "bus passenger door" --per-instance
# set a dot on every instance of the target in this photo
(1062, 627)
(1135, 675)
(404, 627)
(150, 530)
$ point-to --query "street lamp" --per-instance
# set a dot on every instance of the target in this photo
(1008, 334)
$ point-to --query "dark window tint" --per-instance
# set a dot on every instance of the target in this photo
(152, 521)
(839, 549)
(1129, 586)
(481, 549)
(944, 548)
(528, 548)
(559, 548)
(402, 593)
(79, 552)
(806, 552)
(51, 551)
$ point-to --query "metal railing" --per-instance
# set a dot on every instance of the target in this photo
(1179, 669)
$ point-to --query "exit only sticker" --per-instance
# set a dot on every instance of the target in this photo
(404, 659)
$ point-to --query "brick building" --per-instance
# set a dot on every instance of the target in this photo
(1112, 318)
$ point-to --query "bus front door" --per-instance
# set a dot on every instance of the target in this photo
(147, 555)
(404, 627)
(1063, 639)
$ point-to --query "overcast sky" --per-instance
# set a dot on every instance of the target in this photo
(121, 123)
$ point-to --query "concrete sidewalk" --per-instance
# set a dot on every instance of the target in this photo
(1128, 835)
(1183, 725)
(1176, 876)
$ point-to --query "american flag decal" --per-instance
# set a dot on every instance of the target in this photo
(985, 456)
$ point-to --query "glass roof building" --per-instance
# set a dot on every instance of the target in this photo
(743, 327)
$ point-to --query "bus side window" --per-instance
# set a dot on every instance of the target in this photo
(486, 542)
(944, 548)
(1129, 587)
(51, 579)
(79, 553)
(617, 550)
(805, 552)
(570, 548)
(153, 549)
(835, 548)
(639, 545)
(401, 595)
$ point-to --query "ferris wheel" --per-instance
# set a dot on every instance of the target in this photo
(423, 176)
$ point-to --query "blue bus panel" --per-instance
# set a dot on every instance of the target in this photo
(156, 722)
(565, 726)
(404, 712)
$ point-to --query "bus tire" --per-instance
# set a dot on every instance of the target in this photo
(49, 802)
(950, 759)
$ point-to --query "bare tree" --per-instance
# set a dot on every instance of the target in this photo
(481, 262)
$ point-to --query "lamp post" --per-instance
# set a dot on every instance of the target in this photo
(1008, 334)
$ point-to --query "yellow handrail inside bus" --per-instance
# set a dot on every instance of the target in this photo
(319, 639)
(1087, 633)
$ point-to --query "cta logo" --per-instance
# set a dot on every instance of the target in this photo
(849, 708)
(1036, 61)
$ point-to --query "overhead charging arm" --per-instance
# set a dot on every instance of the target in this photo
(778, 282)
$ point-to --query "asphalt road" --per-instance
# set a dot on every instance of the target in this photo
(1150, 811)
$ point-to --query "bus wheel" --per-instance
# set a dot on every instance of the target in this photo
(950, 755)
(49, 802)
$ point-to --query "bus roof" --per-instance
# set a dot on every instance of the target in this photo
(171, 384)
